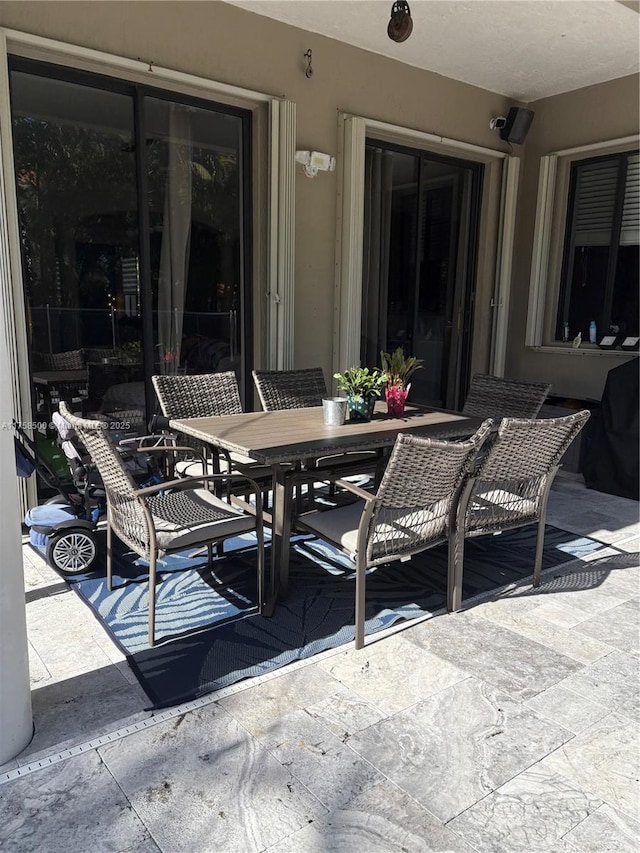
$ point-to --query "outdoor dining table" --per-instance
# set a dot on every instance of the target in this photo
(298, 435)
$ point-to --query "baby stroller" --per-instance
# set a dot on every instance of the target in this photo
(64, 527)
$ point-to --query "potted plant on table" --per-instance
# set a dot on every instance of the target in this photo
(398, 368)
(361, 386)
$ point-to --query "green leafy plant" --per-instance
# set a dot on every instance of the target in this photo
(361, 382)
(398, 367)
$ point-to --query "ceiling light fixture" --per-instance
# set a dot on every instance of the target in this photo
(400, 25)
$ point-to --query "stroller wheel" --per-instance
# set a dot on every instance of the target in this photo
(72, 552)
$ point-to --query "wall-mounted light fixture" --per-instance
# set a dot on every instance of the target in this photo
(400, 25)
(314, 161)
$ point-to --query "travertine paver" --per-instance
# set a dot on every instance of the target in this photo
(510, 727)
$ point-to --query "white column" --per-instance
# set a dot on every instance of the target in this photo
(16, 723)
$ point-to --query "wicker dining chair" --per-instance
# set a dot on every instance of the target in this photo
(168, 517)
(497, 398)
(204, 395)
(511, 487)
(412, 510)
(290, 389)
(299, 389)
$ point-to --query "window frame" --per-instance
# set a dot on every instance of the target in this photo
(569, 246)
(549, 242)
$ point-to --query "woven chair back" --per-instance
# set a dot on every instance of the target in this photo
(496, 398)
(528, 449)
(126, 513)
(203, 395)
(418, 493)
(70, 360)
(290, 389)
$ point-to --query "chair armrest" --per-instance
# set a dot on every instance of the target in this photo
(356, 490)
(187, 482)
(138, 443)
(169, 448)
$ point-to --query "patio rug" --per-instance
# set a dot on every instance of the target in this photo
(209, 634)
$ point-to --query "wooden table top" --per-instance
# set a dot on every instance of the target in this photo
(297, 434)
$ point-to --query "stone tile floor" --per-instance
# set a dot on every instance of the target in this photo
(512, 726)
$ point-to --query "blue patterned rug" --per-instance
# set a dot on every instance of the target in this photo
(211, 636)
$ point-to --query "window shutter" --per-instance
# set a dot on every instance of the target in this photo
(595, 203)
(631, 209)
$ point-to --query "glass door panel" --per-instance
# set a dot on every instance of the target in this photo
(420, 229)
(74, 153)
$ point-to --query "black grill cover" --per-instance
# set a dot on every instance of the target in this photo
(611, 463)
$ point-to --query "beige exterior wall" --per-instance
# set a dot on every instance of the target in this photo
(591, 115)
(227, 44)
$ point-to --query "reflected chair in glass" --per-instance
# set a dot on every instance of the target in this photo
(68, 360)
(497, 398)
(68, 383)
(412, 510)
(511, 487)
(168, 517)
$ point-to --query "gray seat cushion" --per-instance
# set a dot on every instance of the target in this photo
(193, 516)
(397, 527)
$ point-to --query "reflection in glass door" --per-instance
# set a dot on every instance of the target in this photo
(194, 169)
(421, 216)
(134, 222)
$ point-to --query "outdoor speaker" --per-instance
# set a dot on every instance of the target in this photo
(517, 125)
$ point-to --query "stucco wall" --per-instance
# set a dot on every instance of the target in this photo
(594, 114)
(229, 45)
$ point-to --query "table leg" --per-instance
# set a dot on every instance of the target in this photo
(281, 532)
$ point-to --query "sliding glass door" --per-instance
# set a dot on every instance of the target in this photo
(421, 220)
(134, 218)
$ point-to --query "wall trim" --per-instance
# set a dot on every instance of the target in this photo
(134, 70)
(349, 234)
(282, 192)
(597, 146)
(423, 138)
(502, 297)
